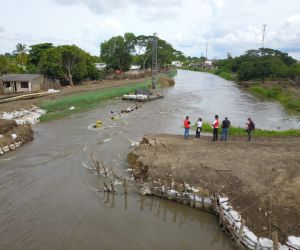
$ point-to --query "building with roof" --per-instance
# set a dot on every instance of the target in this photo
(16, 83)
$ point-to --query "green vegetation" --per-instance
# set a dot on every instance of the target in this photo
(119, 52)
(237, 131)
(288, 100)
(61, 107)
(261, 64)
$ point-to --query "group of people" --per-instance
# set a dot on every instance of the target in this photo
(215, 126)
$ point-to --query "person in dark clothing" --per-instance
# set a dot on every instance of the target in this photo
(225, 127)
(250, 127)
(215, 126)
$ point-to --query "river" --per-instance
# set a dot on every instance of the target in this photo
(48, 198)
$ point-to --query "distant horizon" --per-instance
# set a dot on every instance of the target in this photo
(189, 25)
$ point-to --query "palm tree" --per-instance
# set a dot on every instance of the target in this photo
(21, 53)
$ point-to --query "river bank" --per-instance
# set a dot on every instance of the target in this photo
(13, 135)
(260, 183)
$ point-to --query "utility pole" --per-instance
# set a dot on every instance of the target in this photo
(206, 51)
(263, 36)
(154, 60)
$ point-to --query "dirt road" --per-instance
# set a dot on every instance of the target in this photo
(261, 178)
(26, 104)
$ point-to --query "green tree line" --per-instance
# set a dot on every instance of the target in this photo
(261, 64)
(71, 64)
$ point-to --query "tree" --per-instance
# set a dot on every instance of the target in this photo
(117, 51)
(21, 53)
(4, 65)
(36, 53)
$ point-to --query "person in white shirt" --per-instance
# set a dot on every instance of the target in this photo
(199, 128)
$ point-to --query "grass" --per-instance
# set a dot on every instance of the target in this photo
(277, 93)
(61, 107)
(237, 131)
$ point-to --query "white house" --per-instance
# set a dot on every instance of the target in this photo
(177, 63)
(100, 66)
(13, 83)
(208, 65)
(135, 67)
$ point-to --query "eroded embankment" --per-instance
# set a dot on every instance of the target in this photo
(13, 135)
(261, 178)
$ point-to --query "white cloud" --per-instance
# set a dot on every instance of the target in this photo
(226, 25)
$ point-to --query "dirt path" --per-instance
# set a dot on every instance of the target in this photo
(261, 178)
(25, 104)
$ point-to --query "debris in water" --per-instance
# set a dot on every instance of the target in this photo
(106, 140)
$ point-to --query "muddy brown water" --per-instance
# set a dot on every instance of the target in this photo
(48, 198)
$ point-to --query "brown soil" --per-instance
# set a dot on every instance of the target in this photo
(25, 104)
(166, 81)
(261, 178)
(7, 128)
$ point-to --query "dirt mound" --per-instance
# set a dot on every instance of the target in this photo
(7, 128)
(166, 81)
(261, 178)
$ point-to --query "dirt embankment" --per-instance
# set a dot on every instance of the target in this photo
(261, 178)
(165, 81)
(26, 104)
(7, 128)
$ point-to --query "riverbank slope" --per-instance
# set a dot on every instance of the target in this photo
(261, 178)
(13, 135)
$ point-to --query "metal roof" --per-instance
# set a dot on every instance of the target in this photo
(19, 77)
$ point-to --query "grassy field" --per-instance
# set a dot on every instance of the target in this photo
(288, 100)
(237, 131)
(61, 107)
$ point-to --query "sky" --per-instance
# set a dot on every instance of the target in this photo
(223, 26)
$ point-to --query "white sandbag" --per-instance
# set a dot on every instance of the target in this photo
(294, 242)
(235, 216)
(265, 244)
(14, 136)
(1, 151)
(5, 149)
(145, 191)
(12, 147)
(283, 247)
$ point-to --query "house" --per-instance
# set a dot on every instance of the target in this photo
(135, 67)
(16, 83)
(207, 65)
(100, 66)
(177, 63)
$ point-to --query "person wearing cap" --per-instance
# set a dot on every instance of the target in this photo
(186, 124)
(225, 127)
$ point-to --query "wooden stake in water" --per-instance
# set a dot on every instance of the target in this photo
(105, 172)
(112, 187)
(97, 167)
(125, 186)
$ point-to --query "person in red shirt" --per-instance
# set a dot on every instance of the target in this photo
(215, 126)
(187, 125)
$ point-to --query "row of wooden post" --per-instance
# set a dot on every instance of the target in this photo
(96, 166)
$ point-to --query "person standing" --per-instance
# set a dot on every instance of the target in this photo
(186, 124)
(199, 128)
(215, 126)
(250, 127)
(225, 127)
